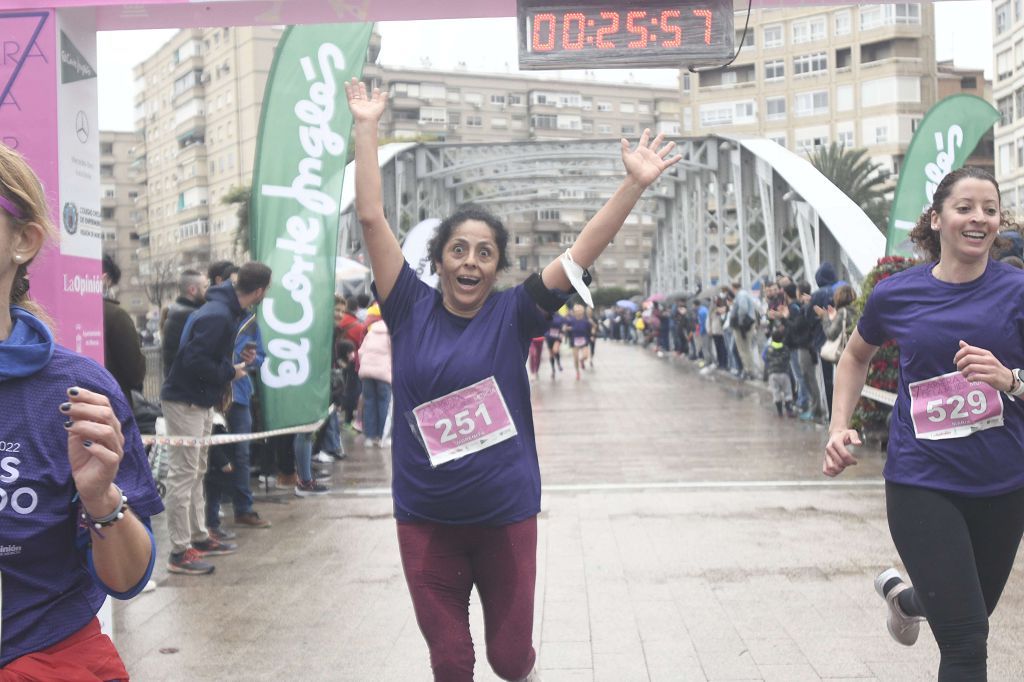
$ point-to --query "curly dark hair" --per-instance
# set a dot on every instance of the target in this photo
(926, 238)
(468, 212)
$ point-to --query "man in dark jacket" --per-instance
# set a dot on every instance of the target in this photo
(122, 351)
(199, 378)
(191, 292)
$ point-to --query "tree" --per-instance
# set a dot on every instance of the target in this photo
(852, 171)
(240, 196)
(160, 281)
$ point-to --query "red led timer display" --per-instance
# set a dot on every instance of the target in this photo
(634, 35)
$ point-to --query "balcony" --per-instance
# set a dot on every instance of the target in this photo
(196, 91)
(192, 127)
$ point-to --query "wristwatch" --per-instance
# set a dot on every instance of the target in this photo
(1018, 382)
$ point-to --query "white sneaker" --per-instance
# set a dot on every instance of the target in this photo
(323, 457)
(903, 628)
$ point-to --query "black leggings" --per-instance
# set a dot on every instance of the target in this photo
(959, 552)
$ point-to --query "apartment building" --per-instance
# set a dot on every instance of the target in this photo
(121, 184)
(462, 107)
(197, 113)
(861, 75)
(1008, 93)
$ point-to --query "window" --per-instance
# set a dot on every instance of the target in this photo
(499, 122)
(107, 170)
(773, 36)
(728, 78)
(842, 23)
(432, 91)
(1005, 158)
(549, 214)
(474, 121)
(1002, 18)
(523, 262)
(107, 212)
(810, 63)
(844, 97)
(627, 107)
(774, 70)
(569, 122)
(498, 100)
(809, 30)
(747, 38)
(604, 106)
(515, 100)
(473, 98)
(846, 138)
(775, 108)
(433, 115)
(109, 192)
(881, 134)
(544, 121)
(874, 16)
(811, 103)
(811, 144)
(886, 91)
(604, 129)
(567, 238)
(1004, 64)
(106, 148)
(1018, 96)
(778, 139)
(1020, 152)
(628, 129)
(1005, 107)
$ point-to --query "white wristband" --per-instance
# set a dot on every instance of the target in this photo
(575, 274)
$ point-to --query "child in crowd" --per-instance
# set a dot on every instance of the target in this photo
(776, 370)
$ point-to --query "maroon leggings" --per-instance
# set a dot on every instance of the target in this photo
(442, 562)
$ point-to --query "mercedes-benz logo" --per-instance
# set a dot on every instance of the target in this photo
(82, 127)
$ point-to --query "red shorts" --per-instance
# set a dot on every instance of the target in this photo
(86, 656)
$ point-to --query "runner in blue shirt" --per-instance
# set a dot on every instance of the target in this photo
(466, 481)
(954, 473)
(75, 489)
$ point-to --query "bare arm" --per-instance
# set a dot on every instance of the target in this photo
(851, 373)
(385, 253)
(643, 166)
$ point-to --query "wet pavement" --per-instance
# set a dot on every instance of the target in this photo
(686, 533)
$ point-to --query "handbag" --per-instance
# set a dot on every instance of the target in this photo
(832, 349)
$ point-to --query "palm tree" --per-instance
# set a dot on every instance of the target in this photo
(864, 181)
(240, 196)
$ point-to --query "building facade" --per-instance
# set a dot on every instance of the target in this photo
(121, 185)
(860, 75)
(1008, 93)
(197, 114)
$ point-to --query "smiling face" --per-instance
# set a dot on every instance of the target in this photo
(969, 221)
(468, 267)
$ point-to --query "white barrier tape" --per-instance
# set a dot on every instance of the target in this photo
(222, 438)
(878, 395)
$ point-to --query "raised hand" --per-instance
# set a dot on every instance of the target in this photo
(95, 446)
(650, 158)
(365, 107)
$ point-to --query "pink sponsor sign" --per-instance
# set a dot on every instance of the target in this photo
(950, 406)
(464, 421)
(66, 286)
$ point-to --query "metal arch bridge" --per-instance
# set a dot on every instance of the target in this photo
(732, 209)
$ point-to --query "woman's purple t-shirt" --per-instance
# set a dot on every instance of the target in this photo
(48, 593)
(579, 329)
(927, 318)
(434, 353)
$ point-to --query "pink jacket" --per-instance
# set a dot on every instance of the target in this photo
(375, 353)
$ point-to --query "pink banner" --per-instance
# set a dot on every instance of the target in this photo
(67, 287)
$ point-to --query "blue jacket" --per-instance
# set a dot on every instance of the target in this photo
(202, 369)
(248, 332)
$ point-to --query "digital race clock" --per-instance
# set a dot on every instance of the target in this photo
(604, 34)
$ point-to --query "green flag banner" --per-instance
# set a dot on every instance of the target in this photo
(300, 163)
(944, 139)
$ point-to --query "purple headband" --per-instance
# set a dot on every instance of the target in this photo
(11, 208)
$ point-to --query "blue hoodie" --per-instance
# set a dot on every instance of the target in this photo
(202, 369)
(49, 589)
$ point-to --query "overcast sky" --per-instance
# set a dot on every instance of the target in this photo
(490, 45)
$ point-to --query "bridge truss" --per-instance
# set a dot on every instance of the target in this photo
(732, 209)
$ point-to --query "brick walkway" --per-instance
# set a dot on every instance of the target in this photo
(686, 534)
